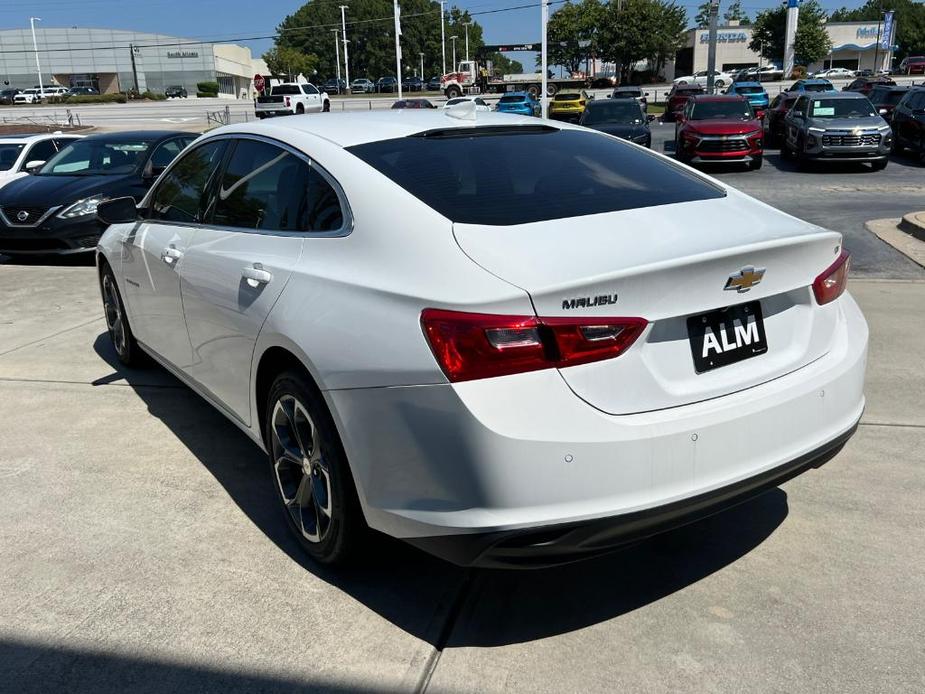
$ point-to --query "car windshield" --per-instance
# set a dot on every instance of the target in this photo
(617, 112)
(512, 99)
(842, 108)
(817, 87)
(475, 175)
(722, 110)
(750, 90)
(887, 97)
(90, 157)
(9, 153)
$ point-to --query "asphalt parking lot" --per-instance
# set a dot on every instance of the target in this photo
(142, 550)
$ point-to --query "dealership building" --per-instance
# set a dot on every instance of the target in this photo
(113, 60)
(854, 46)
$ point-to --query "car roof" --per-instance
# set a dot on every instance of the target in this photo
(814, 80)
(139, 134)
(699, 98)
(349, 129)
(628, 88)
(33, 137)
(746, 84)
(839, 95)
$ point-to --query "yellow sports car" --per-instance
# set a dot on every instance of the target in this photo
(568, 105)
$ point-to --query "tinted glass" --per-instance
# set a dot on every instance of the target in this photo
(567, 97)
(721, 110)
(625, 112)
(166, 152)
(842, 108)
(749, 90)
(476, 176)
(323, 211)
(512, 99)
(181, 195)
(627, 93)
(93, 157)
(818, 87)
(285, 89)
(311, 89)
(8, 155)
(41, 151)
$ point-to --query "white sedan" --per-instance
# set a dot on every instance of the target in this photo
(835, 73)
(720, 79)
(18, 152)
(502, 365)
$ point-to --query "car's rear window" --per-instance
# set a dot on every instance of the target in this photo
(567, 97)
(478, 176)
(749, 90)
(512, 99)
(818, 87)
(286, 89)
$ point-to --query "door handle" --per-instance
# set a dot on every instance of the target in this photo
(256, 275)
(171, 254)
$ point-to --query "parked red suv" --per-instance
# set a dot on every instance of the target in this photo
(677, 98)
(719, 129)
(913, 65)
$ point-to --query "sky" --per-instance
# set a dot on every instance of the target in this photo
(237, 19)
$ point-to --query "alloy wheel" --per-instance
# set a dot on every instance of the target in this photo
(301, 471)
(115, 321)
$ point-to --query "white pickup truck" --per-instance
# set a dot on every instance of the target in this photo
(290, 98)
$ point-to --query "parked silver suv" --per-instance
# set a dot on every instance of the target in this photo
(836, 126)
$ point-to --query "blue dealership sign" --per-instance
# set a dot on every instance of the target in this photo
(885, 38)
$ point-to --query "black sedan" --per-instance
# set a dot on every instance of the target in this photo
(54, 210)
(622, 118)
(412, 84)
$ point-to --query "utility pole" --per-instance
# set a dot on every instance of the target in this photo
(132, 50)
(466, 24)
(711, 51)
(453, 39)
(343, 26)
(877, 45)
(422, 64)
(337, 53)
(544, 20)
(35, 47)
(397, 11)
(443, 35)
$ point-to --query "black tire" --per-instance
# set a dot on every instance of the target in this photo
(879, 165)
(326, 107)
(453, 92)
(756, 162)
(117, 325)
(299, 109)
(785, 152)
(300, 434)
(551, 89)
(534, 90)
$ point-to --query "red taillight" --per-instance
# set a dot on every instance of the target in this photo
(475, 345)
(832, 282)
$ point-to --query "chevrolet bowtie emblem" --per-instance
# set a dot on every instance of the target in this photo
(745, 279)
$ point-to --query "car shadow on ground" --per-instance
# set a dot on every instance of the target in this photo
(72, 260)
(421, 594)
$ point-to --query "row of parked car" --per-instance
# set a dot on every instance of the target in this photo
(34, 95)
(387, 85)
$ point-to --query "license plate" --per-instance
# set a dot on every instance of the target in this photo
(723, 337)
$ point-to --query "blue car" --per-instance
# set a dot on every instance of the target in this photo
(521, 103)
(753, 91)
(812, 85)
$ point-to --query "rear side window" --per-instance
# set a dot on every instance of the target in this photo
(311, 89)
(476, 175)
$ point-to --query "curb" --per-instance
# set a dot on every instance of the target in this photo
(914, 223)
(891, 232)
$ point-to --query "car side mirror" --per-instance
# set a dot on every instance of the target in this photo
(117, 211)
(646, 94)
(650, 117)
(151, 171)
(34, 165)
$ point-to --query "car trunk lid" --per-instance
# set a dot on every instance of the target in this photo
(667, 264)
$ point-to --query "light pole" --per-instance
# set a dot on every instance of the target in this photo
(544, 20)
(343, 26)
(337, 53)
(443, 35)
(453, 39)
(422, 64)
(35, 47)
(466, 24)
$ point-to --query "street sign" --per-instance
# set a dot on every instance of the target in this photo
(259, 83)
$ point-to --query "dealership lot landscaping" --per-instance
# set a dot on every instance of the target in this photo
(142, 549)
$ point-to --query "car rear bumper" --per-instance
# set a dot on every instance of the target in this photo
(473, 471)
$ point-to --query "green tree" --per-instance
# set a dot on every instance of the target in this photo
(909, 18)
(702, 19)
(573, 33)
(283, 60)
(735, 13)
(502, 65)
(636, 30)
(811, 42)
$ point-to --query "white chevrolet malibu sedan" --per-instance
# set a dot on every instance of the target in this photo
(509, 342)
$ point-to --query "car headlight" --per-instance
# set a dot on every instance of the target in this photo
(885, 129)
(817, 130)
(81, 208)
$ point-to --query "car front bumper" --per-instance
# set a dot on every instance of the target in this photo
(53, 237)
(520, 471)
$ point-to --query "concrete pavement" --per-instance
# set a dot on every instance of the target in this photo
(142, 551)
